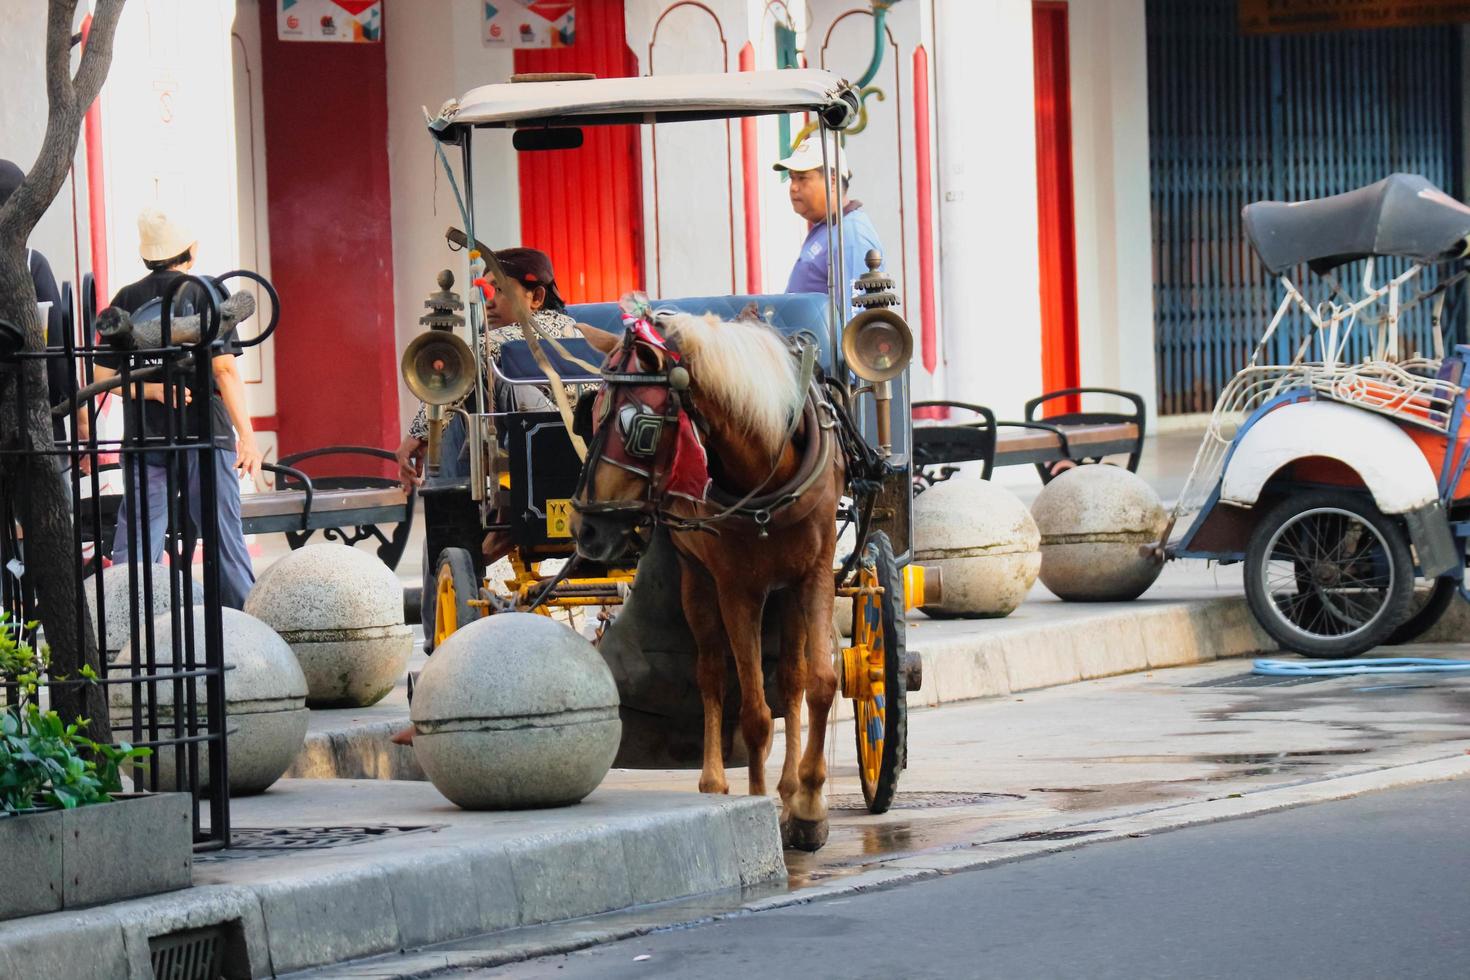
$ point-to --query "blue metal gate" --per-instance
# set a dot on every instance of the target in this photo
(1235, 119)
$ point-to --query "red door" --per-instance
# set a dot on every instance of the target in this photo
(1055, 207)
(584, 207)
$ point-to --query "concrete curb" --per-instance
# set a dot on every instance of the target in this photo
(569, 937)
(327, 909)
(361, 751)
(1005, 657)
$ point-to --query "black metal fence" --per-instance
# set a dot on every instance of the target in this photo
(156, 616)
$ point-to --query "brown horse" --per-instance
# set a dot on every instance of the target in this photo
(775, 477)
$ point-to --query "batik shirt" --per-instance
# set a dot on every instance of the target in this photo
(550, 322)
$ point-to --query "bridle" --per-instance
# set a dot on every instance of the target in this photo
(642, 407)
(645, 405)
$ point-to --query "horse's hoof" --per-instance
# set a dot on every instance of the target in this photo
(803, 835)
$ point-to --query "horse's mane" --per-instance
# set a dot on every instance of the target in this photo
(743, 366)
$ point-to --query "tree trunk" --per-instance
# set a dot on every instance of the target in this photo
(33, 481)
(37, 490)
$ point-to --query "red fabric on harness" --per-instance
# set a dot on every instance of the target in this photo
(688, 467)
(689, 473)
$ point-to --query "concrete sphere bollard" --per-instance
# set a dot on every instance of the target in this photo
(1093, 519)
(515, 711)
(985, 543)
(341, 610)
(115, 598)
(265, 700)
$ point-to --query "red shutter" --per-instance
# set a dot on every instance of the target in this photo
(584, 207)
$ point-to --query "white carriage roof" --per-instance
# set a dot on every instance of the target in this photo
(647, 98)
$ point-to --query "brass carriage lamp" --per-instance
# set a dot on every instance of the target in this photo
(438, 366)
(877, 343)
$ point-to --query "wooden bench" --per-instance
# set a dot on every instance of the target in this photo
(1076, 436)
(348, 509)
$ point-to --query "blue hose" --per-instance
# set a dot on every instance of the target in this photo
(1382, 665)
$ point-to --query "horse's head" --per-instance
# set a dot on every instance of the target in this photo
(631, 426)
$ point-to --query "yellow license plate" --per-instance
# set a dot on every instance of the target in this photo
(559, 518)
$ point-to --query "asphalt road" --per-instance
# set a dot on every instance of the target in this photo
(1375, 886)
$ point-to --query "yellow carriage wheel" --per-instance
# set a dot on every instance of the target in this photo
(455, 585)
(872, 676)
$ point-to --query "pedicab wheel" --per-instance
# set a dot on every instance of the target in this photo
(1327, 575)
(872, 674)
(1429, 607)
(455, 584)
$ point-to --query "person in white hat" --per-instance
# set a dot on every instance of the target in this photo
(809, 190)
(167, 250)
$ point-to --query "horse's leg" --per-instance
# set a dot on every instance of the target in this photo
(806, 826)
(793, 688)
(701, 610)
(741, 610)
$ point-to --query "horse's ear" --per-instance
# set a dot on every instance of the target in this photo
(651, 359)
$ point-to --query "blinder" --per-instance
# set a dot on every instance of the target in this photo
(623, 423)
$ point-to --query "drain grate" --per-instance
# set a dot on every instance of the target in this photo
(250, 842)
(921, 801)
(1048, 835)
(1258, 680)
(190, 954)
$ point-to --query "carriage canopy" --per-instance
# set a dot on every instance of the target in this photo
(649, 99)
(1402, 215)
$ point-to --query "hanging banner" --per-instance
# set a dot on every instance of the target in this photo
(530, 23)
(1294, 16)
(359, 21)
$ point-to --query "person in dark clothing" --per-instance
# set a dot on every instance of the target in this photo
(60, 376)
(168, 253)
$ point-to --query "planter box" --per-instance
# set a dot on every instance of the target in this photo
(62, 859)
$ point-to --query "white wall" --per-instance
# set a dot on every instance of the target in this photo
(168, 119)
(257, 366)
(990, 292)
(1110, 162)
(435, 53)
(23, 114)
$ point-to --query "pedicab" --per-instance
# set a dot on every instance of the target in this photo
(1334, 463)
(526, 477)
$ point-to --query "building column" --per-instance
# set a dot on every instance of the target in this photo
(986, 135)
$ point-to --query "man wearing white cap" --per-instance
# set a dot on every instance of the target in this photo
(809, 192)
(168, 251)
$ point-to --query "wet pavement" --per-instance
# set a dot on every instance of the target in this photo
(1061, 759)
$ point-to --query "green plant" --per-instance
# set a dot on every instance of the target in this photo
(43, 762)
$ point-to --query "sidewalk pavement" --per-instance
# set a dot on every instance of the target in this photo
(413, 869)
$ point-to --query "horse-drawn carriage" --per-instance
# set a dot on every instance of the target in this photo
(1334, 465)
(727, 438)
